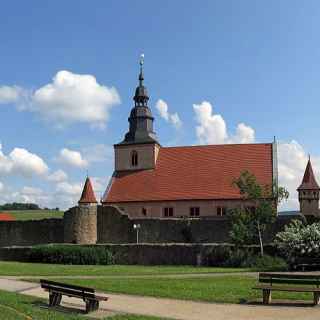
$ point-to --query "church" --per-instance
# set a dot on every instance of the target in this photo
(152, 181)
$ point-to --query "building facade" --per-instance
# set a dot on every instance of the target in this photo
(152, 181)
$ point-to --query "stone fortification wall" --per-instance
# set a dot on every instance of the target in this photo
(25, 233)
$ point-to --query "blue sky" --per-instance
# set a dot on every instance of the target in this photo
(239, 62)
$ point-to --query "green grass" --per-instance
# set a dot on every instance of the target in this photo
(39, 269)
(228, 289)
(19, 307)
(35, 214)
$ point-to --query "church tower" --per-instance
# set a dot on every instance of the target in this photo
(309, 192)
(140, 147)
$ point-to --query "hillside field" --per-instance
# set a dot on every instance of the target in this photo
(34, 214)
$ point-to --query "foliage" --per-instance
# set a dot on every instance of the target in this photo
(299, 240)
(249, 223)
(19, 206)
(68, 254)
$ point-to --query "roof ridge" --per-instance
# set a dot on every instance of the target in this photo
(218, 145)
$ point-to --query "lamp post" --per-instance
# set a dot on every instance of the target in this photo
(137, 228)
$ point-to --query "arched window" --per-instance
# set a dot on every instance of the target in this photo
(134, 158)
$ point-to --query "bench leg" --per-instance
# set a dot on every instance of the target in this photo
(92, 305)
(316, 298)
(54, 299)
(266, 296)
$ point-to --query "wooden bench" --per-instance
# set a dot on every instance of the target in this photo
(57, 290)
(284, 281)
(307, 264)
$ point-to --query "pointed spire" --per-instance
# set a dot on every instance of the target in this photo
(141, 78)
(141, 95)
(309, 181)
(87, 195)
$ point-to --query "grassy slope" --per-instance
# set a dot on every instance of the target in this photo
(35, 214)
(231, 289)
(19, 307)
(38, 269)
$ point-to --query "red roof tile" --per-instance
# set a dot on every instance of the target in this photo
(196, 172)
(87, 195)
(309, 181)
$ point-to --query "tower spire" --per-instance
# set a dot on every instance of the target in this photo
(141, 62)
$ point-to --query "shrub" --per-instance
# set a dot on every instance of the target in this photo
(299, 240)
(71, 254)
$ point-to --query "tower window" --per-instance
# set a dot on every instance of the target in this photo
(144, 211)
(168, 212)
(134, 158)
(194, 211)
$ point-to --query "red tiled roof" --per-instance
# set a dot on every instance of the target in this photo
(196, 172)
(309, 181)
(6, 217)
(87, 195)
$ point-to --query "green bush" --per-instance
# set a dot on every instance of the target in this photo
(71, 254)
(223, 256)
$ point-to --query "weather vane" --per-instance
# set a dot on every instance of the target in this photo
(141, 59)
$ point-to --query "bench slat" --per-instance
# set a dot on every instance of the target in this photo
(291, 281)
(71, 292)
(289, 276)
(296, 289)
(66, 285)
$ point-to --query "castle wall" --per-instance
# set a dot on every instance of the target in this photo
(80, 225)
(25, 233)
(115, 226)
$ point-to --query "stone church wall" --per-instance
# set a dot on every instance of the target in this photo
(25, 233)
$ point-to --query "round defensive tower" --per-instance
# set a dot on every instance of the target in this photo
(80, 223)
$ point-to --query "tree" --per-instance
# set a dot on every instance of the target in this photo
(249, 222)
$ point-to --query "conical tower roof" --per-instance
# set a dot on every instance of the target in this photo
(87, 195)
(309, 181)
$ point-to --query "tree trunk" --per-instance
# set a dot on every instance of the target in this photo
(260, 239)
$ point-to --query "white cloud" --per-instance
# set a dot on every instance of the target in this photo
(172, 118)
(10, 94)
(22, 162)
(1, 186)
(98, 153)
(71, 189)
(74, 97)
(58, 176)
(72, 158)
(212, 128)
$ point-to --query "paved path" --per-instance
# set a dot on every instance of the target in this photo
(177, 309)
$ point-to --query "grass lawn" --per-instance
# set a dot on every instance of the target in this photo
(35, 214)
(19, 307)
(230, 289)
(39, 269)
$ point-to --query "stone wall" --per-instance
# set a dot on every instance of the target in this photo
(24, 233)
(80, 225)
(114, 226)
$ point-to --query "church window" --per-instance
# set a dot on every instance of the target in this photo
(134, 158)
(194, 211)
(144, 211)
(221, 211)
(168, 212)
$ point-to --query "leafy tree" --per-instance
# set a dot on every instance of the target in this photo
(249, 222)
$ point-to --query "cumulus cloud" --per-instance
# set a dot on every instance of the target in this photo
(172, 118)
(97, 153)
(66, 188)
(212, 128)
(69, 98)
(292, 161)
(72, 158)
(22, 162)
(74, 97)
(58, 176)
